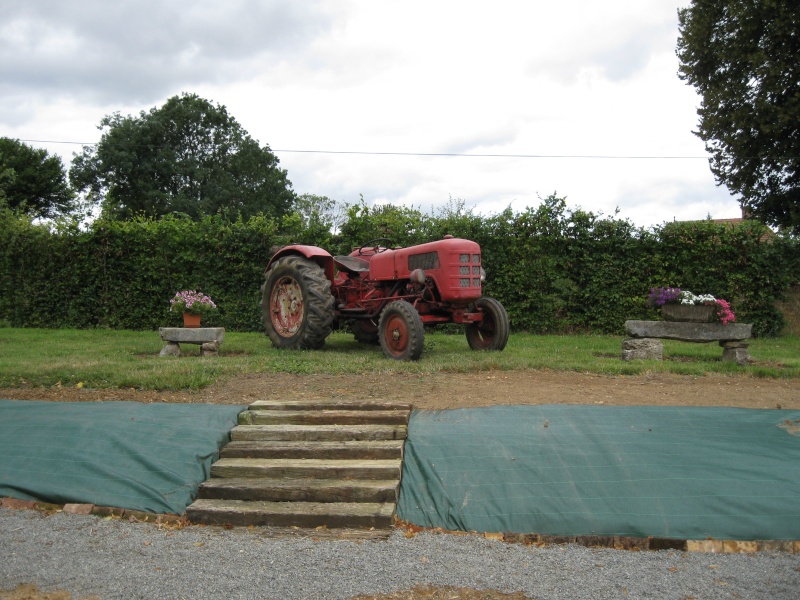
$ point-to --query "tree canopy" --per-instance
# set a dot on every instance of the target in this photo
(742, 57)
(32, 181)
(188, 156)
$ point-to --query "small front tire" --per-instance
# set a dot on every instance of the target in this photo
(492, 332)
(401, 332)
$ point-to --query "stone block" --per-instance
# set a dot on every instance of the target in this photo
(209, 349)
(78, 509)
(741, 356)
(16, 503)
(785, 546)
(642, 349)
(739, 547)
(709, 546)
(170, 349)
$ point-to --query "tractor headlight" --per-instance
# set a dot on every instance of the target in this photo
(483, 275)
(418, 275)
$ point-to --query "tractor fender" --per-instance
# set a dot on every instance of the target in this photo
(315, 253)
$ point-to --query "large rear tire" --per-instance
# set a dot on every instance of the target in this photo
(401, 332)
(296, 304)
(492, 332)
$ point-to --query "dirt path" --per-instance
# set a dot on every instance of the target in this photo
(459, 390)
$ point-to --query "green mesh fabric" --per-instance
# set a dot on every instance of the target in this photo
(149, 457)
(688, 473)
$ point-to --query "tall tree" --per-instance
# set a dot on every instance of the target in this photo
(33, 181)
(188, 156)
(742, 57)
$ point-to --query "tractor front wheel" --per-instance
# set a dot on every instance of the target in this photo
(492, 332)
(296, 304)
(401, 332)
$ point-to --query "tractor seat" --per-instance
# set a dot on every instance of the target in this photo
(351, 264)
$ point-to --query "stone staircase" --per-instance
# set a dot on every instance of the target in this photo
(333, 464)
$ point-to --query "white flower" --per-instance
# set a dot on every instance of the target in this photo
(688, 297)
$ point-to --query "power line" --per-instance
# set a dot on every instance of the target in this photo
(434, 154)
(465, 155)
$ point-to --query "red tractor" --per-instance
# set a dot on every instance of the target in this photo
(388, 296)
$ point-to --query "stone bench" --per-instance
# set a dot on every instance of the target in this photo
(645, 338)
(208, 338)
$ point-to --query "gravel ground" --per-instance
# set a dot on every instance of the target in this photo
(87, 555)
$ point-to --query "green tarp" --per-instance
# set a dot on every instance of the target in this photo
(687, 473)
(149, 457)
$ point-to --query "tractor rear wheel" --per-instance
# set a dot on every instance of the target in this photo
(401, 332)
(492, 332)
(296, 304)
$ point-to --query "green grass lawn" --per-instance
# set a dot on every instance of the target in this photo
(109, 359)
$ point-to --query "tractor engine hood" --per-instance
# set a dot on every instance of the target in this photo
(453, 264)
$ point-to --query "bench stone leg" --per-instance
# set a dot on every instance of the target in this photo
(171, 349)
(642, 349)
(209, 349)
(736, 352)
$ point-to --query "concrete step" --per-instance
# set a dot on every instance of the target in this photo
(292, 514)
(307, 468)
(329, 405)
(300, 490)
(298, 463)
(331, 433)
(323, 417)
(363, 450)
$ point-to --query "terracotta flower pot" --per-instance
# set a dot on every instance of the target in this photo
(190, 320)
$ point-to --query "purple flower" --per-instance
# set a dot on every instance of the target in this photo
(660, 296)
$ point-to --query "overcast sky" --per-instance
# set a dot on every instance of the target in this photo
(584, 94)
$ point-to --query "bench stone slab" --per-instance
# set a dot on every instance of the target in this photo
(188, 335)
(689, 332)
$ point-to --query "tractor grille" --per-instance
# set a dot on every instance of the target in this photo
(427, 260)
(469, 270)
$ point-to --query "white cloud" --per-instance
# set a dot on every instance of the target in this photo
(571, 78)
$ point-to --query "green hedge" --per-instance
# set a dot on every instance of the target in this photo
(555, 269)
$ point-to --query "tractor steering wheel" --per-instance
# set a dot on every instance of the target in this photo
(370, 244)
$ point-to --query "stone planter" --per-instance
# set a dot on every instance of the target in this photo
(190, 320)
(688, 313)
